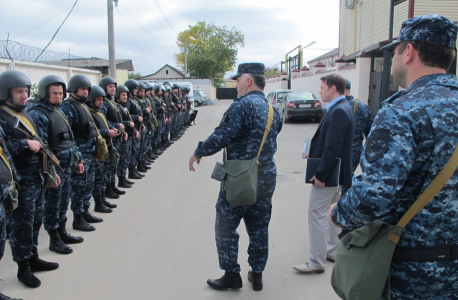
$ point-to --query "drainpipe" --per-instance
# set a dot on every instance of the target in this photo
(356, 22)
(411, 9)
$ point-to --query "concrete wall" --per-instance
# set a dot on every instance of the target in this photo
(121, 76)
(36, 71)
(277, 82)
(309, 81)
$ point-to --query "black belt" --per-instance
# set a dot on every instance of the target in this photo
(442, 253)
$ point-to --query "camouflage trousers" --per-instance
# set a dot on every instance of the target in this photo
(124, 157)
(166, 131)
(256, 218)
(56, 201)
(99, 179)
(25, 221)
(158, 134)
(2, 230)
(424, 280)
(135, 151)
(110, 174)
(82, 184)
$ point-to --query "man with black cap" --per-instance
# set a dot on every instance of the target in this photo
(363, 122)
(412, 138)
(240, 132)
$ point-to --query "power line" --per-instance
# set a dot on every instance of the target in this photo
(164, 16)
(42, 23)
(177, 11)
(160, 19)
(147, 33)
(76, 1)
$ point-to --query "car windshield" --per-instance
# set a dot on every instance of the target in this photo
(281, 95)
(302, 96)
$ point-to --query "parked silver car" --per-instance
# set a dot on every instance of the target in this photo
(276, 97)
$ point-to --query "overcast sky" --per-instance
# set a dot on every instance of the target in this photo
(146, 30)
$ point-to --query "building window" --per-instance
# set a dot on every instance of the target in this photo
(166, 72)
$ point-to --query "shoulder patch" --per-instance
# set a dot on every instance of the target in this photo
(377, 144)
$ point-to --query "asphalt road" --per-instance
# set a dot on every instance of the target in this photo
(159, 242)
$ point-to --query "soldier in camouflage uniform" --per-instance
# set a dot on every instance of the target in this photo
(126, 138)
(241, 131)
(160, 114)
(413, 136)
(363, 124)
(142, 164)
(168, 115)
(26, 219)
(7, 174)
(85, 133)
(114, 118)
(54, 130)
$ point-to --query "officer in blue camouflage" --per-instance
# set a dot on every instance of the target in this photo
(26, 219)
(85, 133)
(413, 136)
(7, 174)
(241, 130)
(160, 115)
(363, 124)
(53, 129)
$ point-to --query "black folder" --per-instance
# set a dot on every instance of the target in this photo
(312, 166)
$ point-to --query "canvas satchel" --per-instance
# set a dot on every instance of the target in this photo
(240, 179)
(11, 202)
(363, 261)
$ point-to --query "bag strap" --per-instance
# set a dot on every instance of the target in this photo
(24, 121)
(355, 106)
(90, 116)
(5, 159)
(266, 131)
(431, 191)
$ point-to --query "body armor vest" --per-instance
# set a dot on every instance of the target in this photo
(27, 156)
(85, 127)
(125, 116)
(101, 122)
(60, 136)
(113, 115)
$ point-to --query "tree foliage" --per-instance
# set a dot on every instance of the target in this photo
(272, 72)
(212, 50)
(133, 75)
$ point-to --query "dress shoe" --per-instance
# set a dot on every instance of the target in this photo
(256, 280)
(228, 281)
(330, 259)
(307, 268)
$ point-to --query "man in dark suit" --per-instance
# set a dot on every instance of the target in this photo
(333, 139)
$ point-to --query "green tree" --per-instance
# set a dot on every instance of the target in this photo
(212, 51)
(133, 75)
(271, 71)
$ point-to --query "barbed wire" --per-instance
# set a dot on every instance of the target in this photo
(23, 52)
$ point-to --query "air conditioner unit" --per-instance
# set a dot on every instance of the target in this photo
(350, 3)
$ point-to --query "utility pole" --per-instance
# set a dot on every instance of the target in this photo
(185, 59)
(387, 57)
(111, 42)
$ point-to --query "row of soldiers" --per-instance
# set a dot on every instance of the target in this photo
(50, 154)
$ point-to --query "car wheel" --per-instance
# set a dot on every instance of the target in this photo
(285, 119)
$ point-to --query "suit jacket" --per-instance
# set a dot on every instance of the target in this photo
(334, 139)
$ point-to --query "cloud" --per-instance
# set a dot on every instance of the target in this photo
(143, 33)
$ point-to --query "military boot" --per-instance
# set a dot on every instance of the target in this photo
(145, 165)
(229, 280)
(108, 204)
(122, 183)
(79, 223)
(5, 297)
(90, 218)
(99, 206)
(156, 151)
(109, 193)
(133, 174)
(37, 264)
(56, 244)
(128, 181)
(141, 168)
(115, 189)
(138, 173)
(66, 237)
(256, 280)
(25, 275)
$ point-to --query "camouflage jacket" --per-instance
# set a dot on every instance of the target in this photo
(241, 130)
(363, 122)
(4, 188)
(413, 136)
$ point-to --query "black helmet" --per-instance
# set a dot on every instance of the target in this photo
(106, 81)
(159, 87)
(176, 86)
(155, 87)
(46, 81)
(167, 88)
(13, 78)
(96, 91)
(186, 89)
(141, 85)
(131, 84)
(148, 85)
(121, 88)
(76, 81)
(167, 83)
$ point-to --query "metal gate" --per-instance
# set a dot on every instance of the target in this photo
(226, 93)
